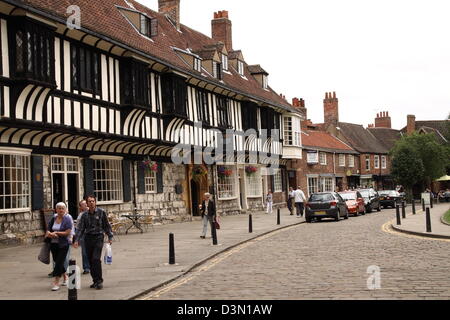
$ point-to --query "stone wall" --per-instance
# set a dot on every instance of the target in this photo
(228, 207)
(255, 204)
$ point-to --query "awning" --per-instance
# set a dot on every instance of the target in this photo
(444, 178)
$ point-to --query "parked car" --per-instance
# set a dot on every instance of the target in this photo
(371, 199)
(390, 198)
(355, 202)
(326, 205)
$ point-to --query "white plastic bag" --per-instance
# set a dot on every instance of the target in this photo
(108, 254)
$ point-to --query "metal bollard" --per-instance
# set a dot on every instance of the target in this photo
(250, 224)
(214, 233)
(403, 210)
(72, 292)
(428, 220)
(278, 217)
(413, 206)
(397, 213)
(171, 249)
(423, 205)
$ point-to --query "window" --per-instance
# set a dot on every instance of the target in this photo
(278, 181)
(291, 131)
(342, 160)
(217, 70)
(148, 27)
(150, 181)
(227, 185)
(33, 52)
(135, 85)
(265, 82)
(377, 162)
(108, 180)
(312, 157)
(326, 184)
(383, 162)
(202, 106)
(240, 68)
(351, 161)
(254, 184)
(174, 95)
(85, 69)
(367, 163)
(197, 64)
(323, 158)
(222, 111)
(14, 181)
(225, 62)
(313, 185)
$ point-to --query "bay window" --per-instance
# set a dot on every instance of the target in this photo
(291, 130)
(227, 184)
(14, 180)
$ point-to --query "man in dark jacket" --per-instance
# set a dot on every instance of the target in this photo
(91, 228)
(208, 210)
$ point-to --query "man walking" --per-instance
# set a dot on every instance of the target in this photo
(82, 208)
(300, 199)
(91, 228)
(208, 210)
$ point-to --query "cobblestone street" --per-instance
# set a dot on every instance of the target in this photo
(326, 260)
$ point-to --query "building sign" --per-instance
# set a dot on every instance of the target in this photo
(313, 157)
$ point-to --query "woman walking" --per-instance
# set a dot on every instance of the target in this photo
(59, 230)
(269, 202)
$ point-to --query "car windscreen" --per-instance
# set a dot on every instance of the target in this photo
(321, 197)
(384, 192)
(365, 193)
(348, 196)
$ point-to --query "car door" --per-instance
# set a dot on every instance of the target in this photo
(373, 199)
(342, 205)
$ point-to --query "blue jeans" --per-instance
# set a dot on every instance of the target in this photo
(86, 266)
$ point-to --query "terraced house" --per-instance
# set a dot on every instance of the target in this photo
(98, 107)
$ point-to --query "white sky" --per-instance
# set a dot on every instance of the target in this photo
(383, 55)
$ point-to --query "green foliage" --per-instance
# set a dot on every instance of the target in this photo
(429, 159)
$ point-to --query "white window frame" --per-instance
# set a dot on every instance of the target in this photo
(151, 184)
(323, 156)
(278, 181)
(118, 180)
(230, 182)
(224, 62)
(265, 80)
(367, 162)
(25, 181)
(312, 157)
(383, 162)
(351, 161)
(313, 185)
(325, 182)
(376, 162)
(240, 66)
(197, 64)
(341, 160)
(291, 131)
(254, 184)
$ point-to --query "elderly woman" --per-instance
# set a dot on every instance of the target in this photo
(59, 231)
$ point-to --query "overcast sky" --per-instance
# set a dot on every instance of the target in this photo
(383, 55)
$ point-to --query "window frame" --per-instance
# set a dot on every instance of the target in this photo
(118, 174)
(342, 160)
(86, 76)
(323, 156)
(253, 184)
(224, 62)
(240, 67)
(351, 161)
(277, 181)
(230, 182)
(383, 162)
(376, 162)
(367, 162)
(150, 176)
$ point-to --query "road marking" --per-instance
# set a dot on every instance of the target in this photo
(209, 264)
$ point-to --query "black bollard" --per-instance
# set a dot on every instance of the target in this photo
(403, 210)
(423, 205)
(278, 217)
(413, 206)
(214, 233)
(72, 292)
(171, 249)
(431, 200)
(250, 224)
(428, 220)
(397, 213)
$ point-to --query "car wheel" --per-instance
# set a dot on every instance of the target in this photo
(338, 216)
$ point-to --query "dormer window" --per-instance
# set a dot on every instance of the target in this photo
(265, 82)
(225, 62)
(217, 70)
(241, 68)
(148, 27)
(197, 64)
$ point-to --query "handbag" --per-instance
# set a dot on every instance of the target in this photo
(44, 254)
(216, 224)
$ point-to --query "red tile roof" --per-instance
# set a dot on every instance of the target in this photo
(325, 141)
(104, 18)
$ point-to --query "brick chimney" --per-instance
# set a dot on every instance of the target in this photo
(411, 124)
(299, 104)
(221, 29)
(383, 120)
(331, 109)
(170, 8)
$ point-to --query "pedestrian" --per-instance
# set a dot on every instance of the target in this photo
(300, 199)
(269, 202)
(92, 228)
(289, 201)
(208, 210)
(447, 195)
(82, 208)
(59, 231)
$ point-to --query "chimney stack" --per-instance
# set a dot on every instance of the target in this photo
(222, 29)
(411, 124)
(331, 109)
(383, 120)
(170, 8)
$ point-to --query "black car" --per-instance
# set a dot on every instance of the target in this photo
(326, 205)
(371, 199)
(390, 198)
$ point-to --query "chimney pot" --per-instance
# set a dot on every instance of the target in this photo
(222, 29)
